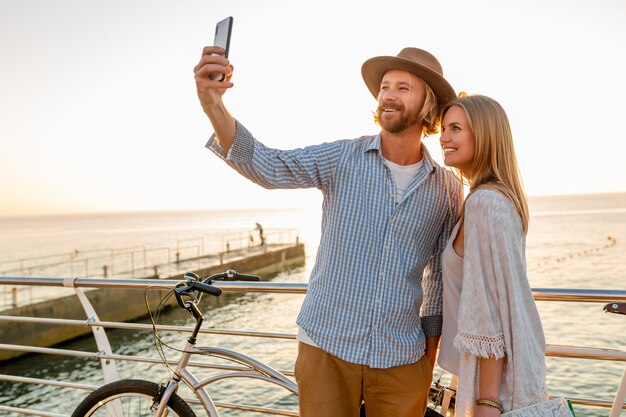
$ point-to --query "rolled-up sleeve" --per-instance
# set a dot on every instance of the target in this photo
(309, 167)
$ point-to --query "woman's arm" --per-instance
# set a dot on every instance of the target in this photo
(490, 378)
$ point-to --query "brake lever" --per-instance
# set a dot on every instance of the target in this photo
(179, 293)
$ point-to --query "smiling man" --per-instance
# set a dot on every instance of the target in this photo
(371, 320)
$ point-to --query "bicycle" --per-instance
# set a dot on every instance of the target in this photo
(133, 397)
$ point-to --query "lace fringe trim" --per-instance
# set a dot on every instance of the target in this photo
(481, 346)
(542, 394)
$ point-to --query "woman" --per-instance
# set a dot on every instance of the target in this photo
(492, 336)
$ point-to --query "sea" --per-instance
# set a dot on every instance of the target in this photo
(574, 241)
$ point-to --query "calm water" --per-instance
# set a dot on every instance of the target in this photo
(570, 244)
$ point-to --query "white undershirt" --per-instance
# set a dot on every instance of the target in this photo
(402, 176)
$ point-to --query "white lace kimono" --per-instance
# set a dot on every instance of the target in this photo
(497, 314)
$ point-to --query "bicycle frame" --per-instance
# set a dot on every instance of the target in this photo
(257, 370)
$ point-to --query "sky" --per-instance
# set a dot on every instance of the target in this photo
(99, 113)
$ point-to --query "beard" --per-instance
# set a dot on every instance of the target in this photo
(406, 120)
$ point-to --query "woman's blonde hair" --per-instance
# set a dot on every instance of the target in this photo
(495, 164)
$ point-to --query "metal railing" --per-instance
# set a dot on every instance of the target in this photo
(106, 356)
(137, 261)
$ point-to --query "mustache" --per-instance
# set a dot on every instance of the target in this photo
(389, 105)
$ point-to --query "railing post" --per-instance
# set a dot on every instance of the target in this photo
(109, 370)
(105, 271)
(620, 395)
(14, 296)
(169, 262)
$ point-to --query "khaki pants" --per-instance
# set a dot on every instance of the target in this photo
(331, 387)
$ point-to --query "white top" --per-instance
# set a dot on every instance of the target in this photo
(497, 314)
(452, 275)
(402, 176)
(303, 337)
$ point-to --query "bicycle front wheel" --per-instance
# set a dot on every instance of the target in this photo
(128, 397)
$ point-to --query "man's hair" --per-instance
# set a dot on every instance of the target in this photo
(495, 164)
(428, 115)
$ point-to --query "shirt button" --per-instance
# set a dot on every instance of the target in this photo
(381, 273)
(378, 301)
(391, 221)
(386, 247)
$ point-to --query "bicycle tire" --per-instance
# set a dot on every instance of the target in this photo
(136, 397)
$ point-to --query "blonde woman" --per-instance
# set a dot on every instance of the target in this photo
(492, 336)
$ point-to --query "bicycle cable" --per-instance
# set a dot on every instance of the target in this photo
(158, 342)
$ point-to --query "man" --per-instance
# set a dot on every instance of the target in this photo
(388, 211)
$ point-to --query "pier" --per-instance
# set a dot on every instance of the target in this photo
(279, 249)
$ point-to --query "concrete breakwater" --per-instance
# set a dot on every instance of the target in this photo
(123, 305)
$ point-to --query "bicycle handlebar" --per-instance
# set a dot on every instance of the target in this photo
(244, 277)
(193, 284)
(231, 275)
(205, 288)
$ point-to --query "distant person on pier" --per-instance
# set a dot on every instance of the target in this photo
(371, 320)
(492, 335)
(261, 235)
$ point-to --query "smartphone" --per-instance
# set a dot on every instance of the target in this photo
(223, 29)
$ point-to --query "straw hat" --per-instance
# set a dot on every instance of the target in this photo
(414, 60)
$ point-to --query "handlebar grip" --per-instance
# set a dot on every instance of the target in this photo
(206, 288)
(243, 277)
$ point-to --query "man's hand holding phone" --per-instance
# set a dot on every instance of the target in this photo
(213, 72)
(212, 76)
(209, 89)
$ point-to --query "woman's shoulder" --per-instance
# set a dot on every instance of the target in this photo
(488, 198)
(488, 206)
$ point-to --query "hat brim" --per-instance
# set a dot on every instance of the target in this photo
(374, 69)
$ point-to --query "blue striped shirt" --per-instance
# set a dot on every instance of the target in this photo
(375, 291)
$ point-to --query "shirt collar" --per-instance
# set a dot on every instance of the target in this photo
(374, 145)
